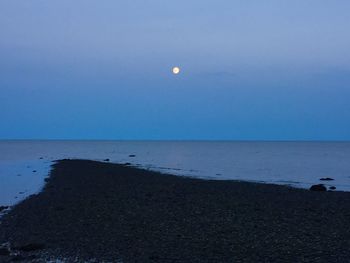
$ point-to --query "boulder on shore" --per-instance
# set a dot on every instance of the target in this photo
(326, 179)
(4, 251)
(30, 247)
(318, 187)
(3, 207)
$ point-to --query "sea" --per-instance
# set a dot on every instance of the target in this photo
(24, 165)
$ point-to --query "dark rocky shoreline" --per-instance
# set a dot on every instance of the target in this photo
(115, 213)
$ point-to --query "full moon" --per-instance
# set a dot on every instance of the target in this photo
(176, 70)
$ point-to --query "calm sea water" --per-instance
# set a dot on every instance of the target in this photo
(25, 164)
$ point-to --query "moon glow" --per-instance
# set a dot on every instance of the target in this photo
(176, 70)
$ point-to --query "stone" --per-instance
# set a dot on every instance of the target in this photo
(106, 160)
(326, 179)
(18, 258)
(31, 247)
(4, 251)
(3, 207)
(132, 155)
(318, 187)
(332, 188)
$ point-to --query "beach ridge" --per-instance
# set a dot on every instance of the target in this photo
(116, 213)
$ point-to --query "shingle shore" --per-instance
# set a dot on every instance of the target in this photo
(116, 213)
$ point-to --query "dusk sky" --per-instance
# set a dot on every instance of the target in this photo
(250, 70)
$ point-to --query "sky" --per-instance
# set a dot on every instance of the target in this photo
(250, 70)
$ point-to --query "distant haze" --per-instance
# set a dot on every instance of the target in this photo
(250, 70)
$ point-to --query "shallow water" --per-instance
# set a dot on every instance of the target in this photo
(25, 164)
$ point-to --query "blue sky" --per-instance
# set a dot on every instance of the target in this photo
(251, 70)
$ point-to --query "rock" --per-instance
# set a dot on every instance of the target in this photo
(326, 179)
(31, 247)
(332, 188)
(31, 257)
(106, 160)
(4, 251)
(18, 258)
(132, 155)
(126, 163)
(154, 258)
(3, 207)
(318, 187)
(34, 171)
(59, 208)
(41, 158)
(47, 179)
